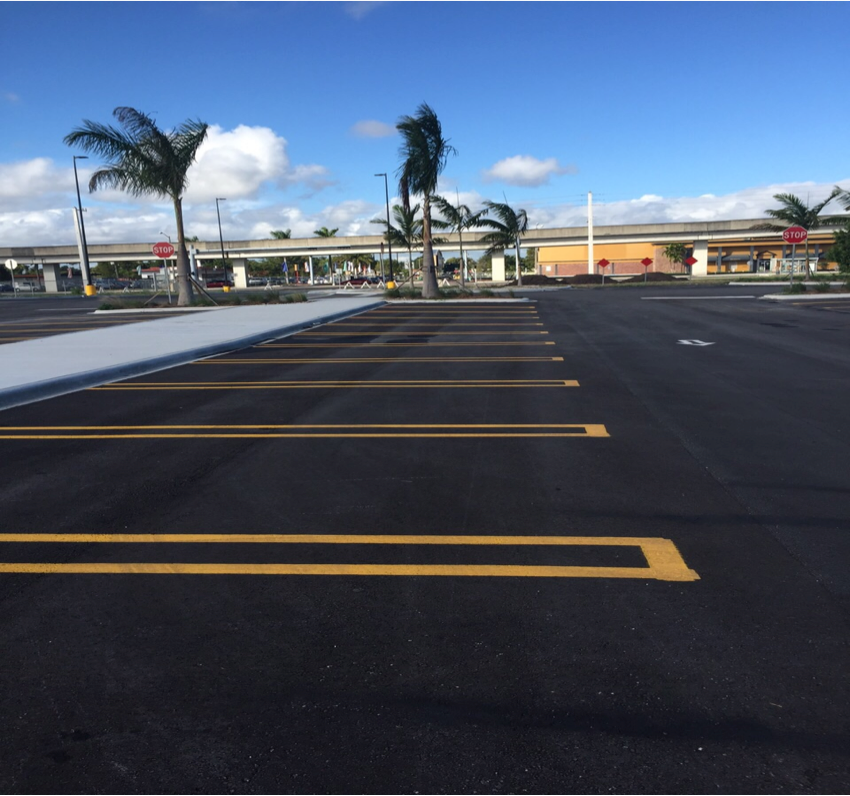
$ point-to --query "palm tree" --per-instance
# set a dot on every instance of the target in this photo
(281, 234)
(142, 159)
(793, 213)
(324, 232)
(508, 230)
(424, 153)
(457, 220)
(407, 232)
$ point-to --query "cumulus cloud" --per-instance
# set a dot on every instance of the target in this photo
(369, 128)
(33, 181)
(526, 171)
(238, 163)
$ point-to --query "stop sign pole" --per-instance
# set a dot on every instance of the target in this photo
(795, 235)
(164, 251)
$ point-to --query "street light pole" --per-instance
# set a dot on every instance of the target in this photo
(221, 239)
(389, 237)
(84, 249)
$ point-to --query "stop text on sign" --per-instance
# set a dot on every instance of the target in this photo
(795, 235)
(163, 250)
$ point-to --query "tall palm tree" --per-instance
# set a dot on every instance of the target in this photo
(457, 219)
(509, 226)
(424, 153)
(794, 213)
(406, 233)
(324, 232)
(142, 159)
(281, 234)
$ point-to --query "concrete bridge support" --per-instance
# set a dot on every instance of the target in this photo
(700, 267)
(240, 272)
(51, 278)
(497, 266)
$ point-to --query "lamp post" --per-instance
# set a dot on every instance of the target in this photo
(84, 249)
(221, 239)
(389, 237)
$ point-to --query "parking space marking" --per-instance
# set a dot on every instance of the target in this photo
(361, 360)
(432, 323)
(664, 562)
(401, 333)
(401, 345)
(309, 431)
(153, 386)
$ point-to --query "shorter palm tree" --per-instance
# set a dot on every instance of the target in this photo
(793, 213)
(324, 232)
(457, 219)
(406, 233)
(508, 227)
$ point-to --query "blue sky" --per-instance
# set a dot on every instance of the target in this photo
(669, 111)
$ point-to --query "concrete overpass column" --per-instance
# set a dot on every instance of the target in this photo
(240, 272)
(497, 266)
(310, 266)
(700, 267)
(51, 278)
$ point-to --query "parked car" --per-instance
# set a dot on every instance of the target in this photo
(257, 281)
(219, 283)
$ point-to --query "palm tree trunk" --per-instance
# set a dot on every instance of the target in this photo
(462, 277)
(410, 265)
(185, 294)
(518, 266)
(429, 275)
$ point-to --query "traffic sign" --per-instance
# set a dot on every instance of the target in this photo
(646, 262)
(795, 235)
(11, 264)
(603, 263)
(163, 250)
(691, 261)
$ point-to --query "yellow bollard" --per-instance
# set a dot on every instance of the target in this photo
(91, 290)
(226, 288)
(391, 285)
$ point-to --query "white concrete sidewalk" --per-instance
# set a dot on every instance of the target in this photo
(33, 370)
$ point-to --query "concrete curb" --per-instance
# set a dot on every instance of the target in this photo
(438, 302)
(62, 385)
(804, 297)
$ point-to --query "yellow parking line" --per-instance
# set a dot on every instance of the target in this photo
(400, 345)
(280, 431)
(663, 559)
(431, 323)
(333, 385)
(391, 333)
(362, 360)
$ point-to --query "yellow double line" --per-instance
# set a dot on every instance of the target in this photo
(318, 431)
(334, 385)
(664, 561)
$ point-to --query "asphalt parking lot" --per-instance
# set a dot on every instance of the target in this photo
(587, 543)
(32, 318)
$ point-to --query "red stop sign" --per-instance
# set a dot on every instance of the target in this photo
(646, 262)
(795, 235)
(691, 261)
(603, 263)
(163, 250)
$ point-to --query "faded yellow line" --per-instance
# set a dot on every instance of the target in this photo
(375, 359)
(399, 345)
(431, 323)
(293, 436)
(334, 385)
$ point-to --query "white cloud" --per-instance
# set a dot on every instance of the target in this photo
(10, 96)
(33, 180)
(358, 10)
(369, 128)
(238, 163)
(525, 170)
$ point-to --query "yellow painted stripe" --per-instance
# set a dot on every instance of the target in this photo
(431, 323)
(401, 333)
(335, 385)
(399, 345)
(303, 426)
(409, 570)
(401, 435)
(361, 360)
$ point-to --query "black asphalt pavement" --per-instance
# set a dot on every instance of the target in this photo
(34, 317)
(564, 546)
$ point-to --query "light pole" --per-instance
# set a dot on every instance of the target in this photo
(84, 249)
(389, 237)
(221, 239)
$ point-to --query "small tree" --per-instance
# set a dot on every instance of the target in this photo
(676, 253)
(509, 225)
(840, 251)
(324, 232)
(457, 219)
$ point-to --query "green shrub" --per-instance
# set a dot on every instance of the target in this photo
(795, 288)
(823, 287)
